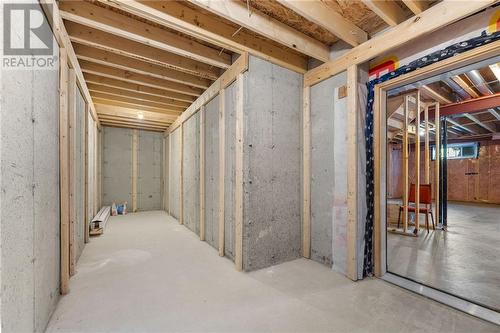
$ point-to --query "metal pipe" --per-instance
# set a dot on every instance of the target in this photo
(479, 82)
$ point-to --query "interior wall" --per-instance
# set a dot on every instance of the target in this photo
(191, 173)
(166, 163)
(79, 197)
(175, 174)
(149, 170)
(272, 155)
(29, 199)
(91, 172)
(212, 172)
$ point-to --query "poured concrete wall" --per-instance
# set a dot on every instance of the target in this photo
(29, 196)
(165, 173)
(149, 170)
(272, 155)
(175, 173)
(212, 172)
(117, 166)
(79, 197)
(191, 173)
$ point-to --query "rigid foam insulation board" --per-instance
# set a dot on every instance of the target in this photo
(29, 195)
(212, 172)
(229, 169)
(79, 197)
(272, 164)
(149, 170)
(175, 172)
(329, 172)
(191, 173)
(117, 167)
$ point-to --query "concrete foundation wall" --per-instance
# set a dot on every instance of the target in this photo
(212, 172)
(29, 196)
(175, 173)
(272, 155)
(79, 175)
(149, 170)
(191, 173)
(117, 166)
(166, 166)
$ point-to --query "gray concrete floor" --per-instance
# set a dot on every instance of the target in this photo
(463, 261)
(147, 273)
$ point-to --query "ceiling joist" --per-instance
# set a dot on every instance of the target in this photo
(134, 101)
(416, 6)
(112, 101)
(388, 11)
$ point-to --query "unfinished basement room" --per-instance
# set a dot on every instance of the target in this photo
(250, 166)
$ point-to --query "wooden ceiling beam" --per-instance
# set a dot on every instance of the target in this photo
(139, 107)
(134, 121)
(136, 95)
(124, 75)
(416, 6)
(468, 89)
(120, 111)
(118, 61)
(387, 10)
(177, 16)
(98, 39)
(324, 16)
(133, 87)
(127, 27)
(132, 126)
(266, 26)
(132, 101)
(435, 95)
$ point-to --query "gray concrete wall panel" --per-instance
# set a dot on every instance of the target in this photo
(149, 170)
(191, 173)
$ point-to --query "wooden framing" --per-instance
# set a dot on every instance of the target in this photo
(134, 169)
(163, 108)
(437, 162)
(72, 167)
(405, 164)
(329, 19)
(388, 11)
(461, 60)
(169, 171)
(86, 140)
(222, 168)
(181, 179)
(120, 25)
(239, 179)
(306, 176)
(417, 165)
(416, 6)
(134, 106)
(438, 16)
(64, 170)
(202, 173)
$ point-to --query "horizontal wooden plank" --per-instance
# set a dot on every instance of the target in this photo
(133, 101)
(133, 106)
(146, 128)
(120, 111)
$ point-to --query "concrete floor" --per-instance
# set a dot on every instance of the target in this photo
(462, 261)
(147, 273)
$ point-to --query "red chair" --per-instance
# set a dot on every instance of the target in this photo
(425, 200)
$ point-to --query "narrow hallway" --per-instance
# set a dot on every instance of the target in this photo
(147, 273)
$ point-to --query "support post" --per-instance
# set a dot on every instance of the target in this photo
(306, 173)
(86, 140)
(63, 169)
(352, 171)
(169, 171)
(181, 179)
(134, 170)
(405, 165)
(202, 173)
(238, 190)
(437, 162)
(222, 145)
(417, 165)
(72, 166)
(427, 170)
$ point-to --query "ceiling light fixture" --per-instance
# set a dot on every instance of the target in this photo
(140, 116)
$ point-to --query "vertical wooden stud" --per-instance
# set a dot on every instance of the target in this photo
(181, 180)
(352, 171)
(306, 173)
(417, 165)
(169, 170)
(378, 142)
(202, 173)
(63, 169)
(72, 167)
(134, 170)
(427, 164)
(437, 162)
(405, 164)
(238, 189)
(222, 146)
(86, 140)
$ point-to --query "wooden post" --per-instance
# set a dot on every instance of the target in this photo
(169, 170)
(417, 165)
(306, 173)
(352, 171)
(86, 140)
(427, 164)
(405, 164)
(181, 179)
(63, 169)
(202, 173)
(222, 145)
(134, 170)
(238, 188)
(72, 166)
(437, 162)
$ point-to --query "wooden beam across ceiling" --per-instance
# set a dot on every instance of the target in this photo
(133, 87)
(324, 16)
(134, 101)
(124, 75)
(135, 120)
(177, 16)
(92, 37)
(127, 27)
(266, 26)
(111, 101)
(417, 6)
(387, 10)
(122, 62)
(130, 112)
(132, 126)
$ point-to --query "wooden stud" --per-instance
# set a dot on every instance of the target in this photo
(352, 171)
(378, 142)
(306, 177)
(222, 162)
(405, 164)
(63, 169)
(239, 178)
(86, 140)
(427, 163)
(169, 171)
(416, 6)
(162, 108)
(135, 106)
(134, 169)
(202, 173)
(388, 11)
(417, 164)
(72, 167)
(437, 162)
(181, 179)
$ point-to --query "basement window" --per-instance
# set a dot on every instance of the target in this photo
(459, 151)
